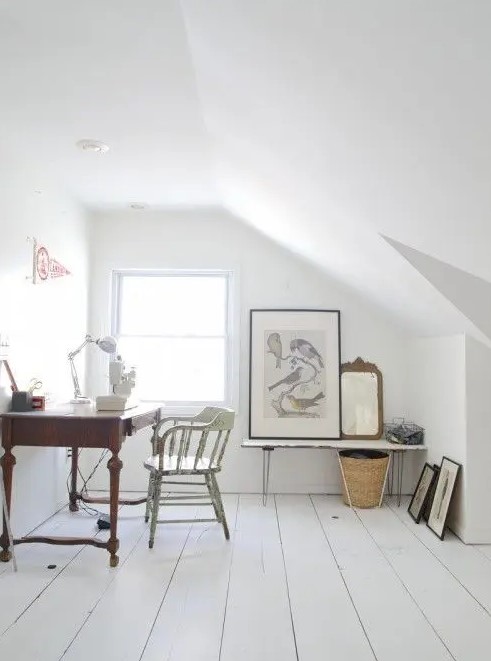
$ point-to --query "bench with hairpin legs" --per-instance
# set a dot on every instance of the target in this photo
(394, 449)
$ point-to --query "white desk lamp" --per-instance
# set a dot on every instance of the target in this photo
(107, 344)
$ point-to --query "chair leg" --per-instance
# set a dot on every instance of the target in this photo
(157, 483)
(209, 485)
(149, 497)
(217, 498)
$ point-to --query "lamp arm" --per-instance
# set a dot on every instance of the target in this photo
(76, 384)
(88, 340)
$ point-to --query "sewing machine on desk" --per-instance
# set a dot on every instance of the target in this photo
(122, 383)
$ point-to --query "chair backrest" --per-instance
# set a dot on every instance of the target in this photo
(203, 436)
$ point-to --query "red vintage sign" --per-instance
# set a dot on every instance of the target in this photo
(45, 267)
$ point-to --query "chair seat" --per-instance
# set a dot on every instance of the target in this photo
(187, 465)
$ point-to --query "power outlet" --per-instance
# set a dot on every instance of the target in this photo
(4, 346)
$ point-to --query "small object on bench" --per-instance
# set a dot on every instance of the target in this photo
(404, 433)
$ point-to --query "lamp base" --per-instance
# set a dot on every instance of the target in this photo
(114, 403)
(80, 400)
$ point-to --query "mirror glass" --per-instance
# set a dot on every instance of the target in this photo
(361, 390)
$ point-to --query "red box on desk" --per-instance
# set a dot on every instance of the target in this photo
(38, 402)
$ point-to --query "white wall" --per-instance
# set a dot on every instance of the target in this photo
(477, 477)
(268, 276)
(43, 322)
(436, 400)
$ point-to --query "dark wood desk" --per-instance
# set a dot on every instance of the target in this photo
(63, 428)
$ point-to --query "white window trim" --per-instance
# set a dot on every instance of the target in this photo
(231, 395)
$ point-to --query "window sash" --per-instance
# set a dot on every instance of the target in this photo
(118, 287)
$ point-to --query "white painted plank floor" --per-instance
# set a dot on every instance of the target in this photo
(302, 579)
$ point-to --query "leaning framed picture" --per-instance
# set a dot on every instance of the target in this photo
(431, 495)
(447, 477)
(422, 492)
(294, 374)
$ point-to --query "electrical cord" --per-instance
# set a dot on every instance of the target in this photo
(86, 508)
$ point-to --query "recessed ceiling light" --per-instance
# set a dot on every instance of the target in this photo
(93, 146)
(138, 207)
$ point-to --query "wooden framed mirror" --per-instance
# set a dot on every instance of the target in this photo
(362, 400)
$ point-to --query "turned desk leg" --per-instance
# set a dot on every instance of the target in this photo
(114, 465)
(73, 501)
(8, 463)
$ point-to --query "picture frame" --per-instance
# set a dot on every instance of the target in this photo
(431, 495)
(422, 492)
(447, 478)
(294, 374)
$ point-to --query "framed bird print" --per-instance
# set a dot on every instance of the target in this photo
(294, 379)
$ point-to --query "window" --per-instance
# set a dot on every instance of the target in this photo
(174, 327)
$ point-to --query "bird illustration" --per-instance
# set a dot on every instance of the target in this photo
(303, 403)
(306, 349)
(274, 344)
(289, 378)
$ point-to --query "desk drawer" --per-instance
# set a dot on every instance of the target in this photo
(65, 432)
(141, 421)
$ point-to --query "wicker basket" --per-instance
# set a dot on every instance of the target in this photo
(364, 475)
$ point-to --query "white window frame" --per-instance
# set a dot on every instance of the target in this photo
(229, 276)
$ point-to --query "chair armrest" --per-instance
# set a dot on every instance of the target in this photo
(158, 426)
(176, 428)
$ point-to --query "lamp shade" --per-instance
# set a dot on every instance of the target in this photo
(108, 344)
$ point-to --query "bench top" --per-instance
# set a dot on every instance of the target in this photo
(337, 444)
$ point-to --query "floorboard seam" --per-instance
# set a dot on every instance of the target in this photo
(165, 592)
(35, 599)
(441, 562)
(286, 578)
(91, 611)
(404, 585)
(342, 578)
(475, 546)
(229, 577)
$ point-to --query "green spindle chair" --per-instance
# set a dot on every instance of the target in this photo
(183, 448)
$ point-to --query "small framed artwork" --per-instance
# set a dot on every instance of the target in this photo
(431, 495)
(422, 492)
(447, 477)
(294, 374)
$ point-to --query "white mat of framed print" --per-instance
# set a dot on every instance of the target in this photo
(294, 380)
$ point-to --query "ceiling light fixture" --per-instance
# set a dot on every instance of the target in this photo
(93, 146)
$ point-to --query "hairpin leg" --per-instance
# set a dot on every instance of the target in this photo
(401, 475)
(266, 470)
(385, 480)
(391, 475)
(344, 480)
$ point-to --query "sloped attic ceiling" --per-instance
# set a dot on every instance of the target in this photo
(333, 122)
(324, 124)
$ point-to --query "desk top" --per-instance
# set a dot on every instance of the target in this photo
(338, 444)
(82, 412)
